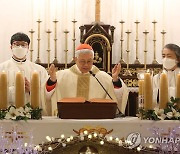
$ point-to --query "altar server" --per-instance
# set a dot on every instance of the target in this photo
(18, 62)
(171, 64)
(78, 81)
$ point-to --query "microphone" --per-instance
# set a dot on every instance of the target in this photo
(120, 114)
(94, 75)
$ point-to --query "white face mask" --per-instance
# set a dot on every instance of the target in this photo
(169, 63)
(20, 52)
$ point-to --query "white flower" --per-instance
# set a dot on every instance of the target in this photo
(28, 115)
(20, 111)
(11, 114)
(172, 114)
(160, 113)
(27, 109)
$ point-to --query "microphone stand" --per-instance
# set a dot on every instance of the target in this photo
(100, 83)
(120, 114)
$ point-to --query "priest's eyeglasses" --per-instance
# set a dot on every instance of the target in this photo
(83, 62)
(20, 43)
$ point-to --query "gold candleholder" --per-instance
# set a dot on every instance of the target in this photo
(127, 71)
(38, 39)
(137, 40)
(163, 38)
(154, 42)
(55, 61)
(74, 39)
(48, 50)
(145, 48)
(121, 42)
(66, 46)
(31, 46)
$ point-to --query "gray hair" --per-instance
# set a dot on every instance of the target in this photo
(84, 51)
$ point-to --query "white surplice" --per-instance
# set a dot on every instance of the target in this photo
(72, 83)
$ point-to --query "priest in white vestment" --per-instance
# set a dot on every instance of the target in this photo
(20, 47)
(77, 81)
(171, 66)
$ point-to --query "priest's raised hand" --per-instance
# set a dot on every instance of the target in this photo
(115, 72)
(52, 73)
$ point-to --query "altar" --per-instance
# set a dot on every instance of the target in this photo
(120, 128)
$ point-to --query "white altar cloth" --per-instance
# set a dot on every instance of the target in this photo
(54, 127)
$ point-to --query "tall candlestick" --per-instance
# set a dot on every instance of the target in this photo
(145, 48)
(49, 49)
(31, 45)
(38, 39)
(121, 41)
(74, 38)
(35, 89)
(154, 42)
(163, 99)
(148, 103)
(55, 41)
(3, 90)
(19, 90)
(137, 40)
(66, 47)
(178, 88)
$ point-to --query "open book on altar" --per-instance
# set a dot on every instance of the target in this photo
(83, 100)
(79, 108)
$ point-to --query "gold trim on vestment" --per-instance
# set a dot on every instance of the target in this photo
(83, 81)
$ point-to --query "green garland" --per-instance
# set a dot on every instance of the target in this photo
(171, 112)
(22, 113)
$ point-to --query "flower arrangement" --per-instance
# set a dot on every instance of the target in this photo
(171, 112)
(22, 113)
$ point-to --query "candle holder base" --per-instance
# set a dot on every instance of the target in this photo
(127, 73)
(122, 61)
(155, 61)
(55, 61)
(38, 61)
(72, 61)
(137, 61)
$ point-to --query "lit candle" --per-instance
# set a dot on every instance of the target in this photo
(146, 14)
(121, 9)
(178, 88)
(129, 14)
(32, 14)
(163, 14)
(3, 90)
(35, 89)
(148, 105)
(19, 90)
(48, 15)
(56, 5)
(66, 15)
(74, 10)
(39, 9)
(163, 94)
